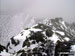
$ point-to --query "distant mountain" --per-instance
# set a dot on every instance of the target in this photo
(72, 26)
(46, 38)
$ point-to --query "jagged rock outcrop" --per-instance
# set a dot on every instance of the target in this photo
(43, 39)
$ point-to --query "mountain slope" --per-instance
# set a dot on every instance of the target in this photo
(43, 39)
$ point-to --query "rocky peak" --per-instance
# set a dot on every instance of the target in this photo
(42, 39)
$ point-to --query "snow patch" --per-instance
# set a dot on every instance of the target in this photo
(66, 38)
(34, 25)
(54, 38)
(33, 46)
(44, 53)
(35, 30)
(4, 53)
(73, 48)
(64, 24)
(20, 37)
(62, 33)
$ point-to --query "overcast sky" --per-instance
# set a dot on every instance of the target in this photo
(40, 8)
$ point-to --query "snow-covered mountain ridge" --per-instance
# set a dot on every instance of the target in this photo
(43, 39)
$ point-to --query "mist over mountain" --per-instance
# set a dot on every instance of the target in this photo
(18, 14)
(73, 25)
(12, 25)
(51, 20)
(37, 8)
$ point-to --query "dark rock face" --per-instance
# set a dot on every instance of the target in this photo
(50, 48)
(26, 43)
(49, 32)
(2, 48)
(23, 54)
(62, 47)
(38, 36)
(14, 42)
